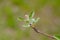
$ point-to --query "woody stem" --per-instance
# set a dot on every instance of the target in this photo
(36, 30)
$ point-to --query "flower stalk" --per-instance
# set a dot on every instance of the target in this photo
(36, 30)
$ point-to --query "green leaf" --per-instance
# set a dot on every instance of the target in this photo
(31, 14)
(32, 21)
(57, 38)
(37, 20)
(21, 19)
(26, 25)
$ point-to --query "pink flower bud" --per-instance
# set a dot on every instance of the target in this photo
(26, 17)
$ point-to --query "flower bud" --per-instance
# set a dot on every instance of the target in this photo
(26, 17)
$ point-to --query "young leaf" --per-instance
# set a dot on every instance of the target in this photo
(37, 20)
(26, 25)
(32, 21)
(21, 19)
(56, 38)
(31, 15)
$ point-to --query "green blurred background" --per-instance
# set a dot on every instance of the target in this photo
(11, 28)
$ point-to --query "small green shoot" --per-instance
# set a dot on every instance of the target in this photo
(29, 19)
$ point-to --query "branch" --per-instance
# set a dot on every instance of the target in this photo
(36, 30)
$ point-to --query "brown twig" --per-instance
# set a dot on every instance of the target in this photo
(36, 30)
